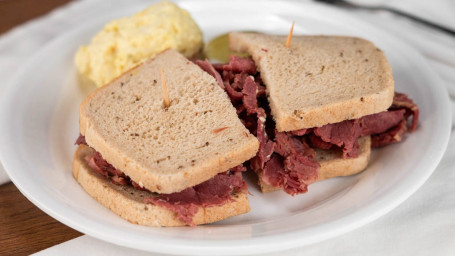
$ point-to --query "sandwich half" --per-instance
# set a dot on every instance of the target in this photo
(316, 106)
(161, 165)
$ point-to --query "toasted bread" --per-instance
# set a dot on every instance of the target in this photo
(319, 79)
(128, 202)
(166, 149)
(333, 164)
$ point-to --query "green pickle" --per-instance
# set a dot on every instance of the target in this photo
(218, 49)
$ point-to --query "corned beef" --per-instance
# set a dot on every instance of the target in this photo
(249, 96)
(285, 159)
(317, 142)
(343, 134)
(402, 101)
(238, 64)
(381, 122)
(299, 169)
(208, 67)
(266, 146)
(215, 191)
(391, 136)
(234, 95)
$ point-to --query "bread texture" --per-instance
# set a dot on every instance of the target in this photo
(319, 79)
(166, 149)
(128, 202)
(334, 165)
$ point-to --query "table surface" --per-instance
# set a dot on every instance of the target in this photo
(25, 229)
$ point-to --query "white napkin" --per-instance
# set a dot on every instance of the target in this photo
(86, 245)
(422, 225)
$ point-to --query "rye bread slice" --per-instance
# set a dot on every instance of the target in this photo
(319, 79)
(166, 149)
(128, 202)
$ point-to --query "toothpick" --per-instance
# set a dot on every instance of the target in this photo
(288, 42)
(167, 103)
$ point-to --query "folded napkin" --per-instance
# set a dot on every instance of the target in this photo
(422, 225)
(86, 245)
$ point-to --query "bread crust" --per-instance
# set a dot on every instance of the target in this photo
(319, 79)
(228, 148)
(333, 164)
(128, 203)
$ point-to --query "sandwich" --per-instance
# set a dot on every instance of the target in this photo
(317, 106)
(166, 143)
(159, 163)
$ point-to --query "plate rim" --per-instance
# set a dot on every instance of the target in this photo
(285, 241)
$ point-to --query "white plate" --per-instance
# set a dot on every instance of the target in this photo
(39, 124)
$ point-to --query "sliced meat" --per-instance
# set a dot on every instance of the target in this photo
(216, 191)
(249, 96)
(266, 146)
(103, 164)
(381, 122)
(273, 172)
(208, 67)
(238, 80)
(239, 64)
(301, 171)
(261, 91)
(284, 159)
(238, 169)
(186, 196)
(287, 145)
(293, 173)
(98, 164)
(392, 136)
(343, 134)
(228, 76)
(317, 142)
(184, 211)
(401, 100)
(386, 126)
(239, 109)
(218, 67)
(292, 167)
(353, 152)
(389, 127)
(92, 164)
(234, 95)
